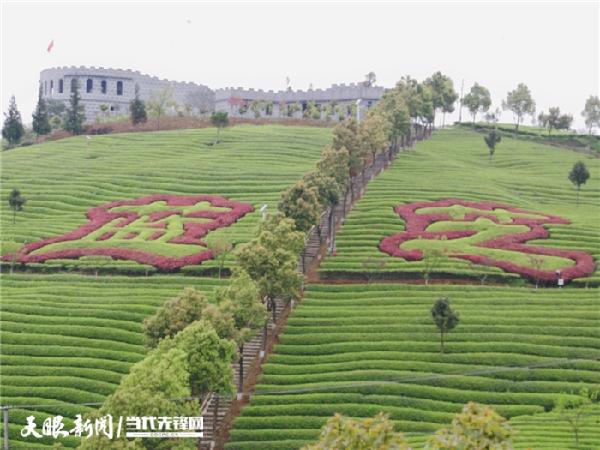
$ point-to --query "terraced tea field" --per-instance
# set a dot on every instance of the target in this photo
(454, 164)
(62, 180)
(361, 349)
(70, 338)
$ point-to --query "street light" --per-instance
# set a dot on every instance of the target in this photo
(560, 281)
(263, 210)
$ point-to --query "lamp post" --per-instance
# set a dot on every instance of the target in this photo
(559, 280)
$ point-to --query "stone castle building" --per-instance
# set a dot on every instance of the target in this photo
(107, 92)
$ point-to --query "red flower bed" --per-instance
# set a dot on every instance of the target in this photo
(101, 215)
(416, 224)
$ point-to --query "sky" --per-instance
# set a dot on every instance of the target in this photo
(552, 47)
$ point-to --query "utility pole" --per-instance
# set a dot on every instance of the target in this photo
(462, 85)
(5, 427)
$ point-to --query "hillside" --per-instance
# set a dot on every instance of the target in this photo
(455, 164)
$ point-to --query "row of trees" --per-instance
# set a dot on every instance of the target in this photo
(521, 103)
(404, 111)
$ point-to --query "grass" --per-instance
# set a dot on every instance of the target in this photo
(70, 338)
(455, 164)
(361, 349)
(62, 180)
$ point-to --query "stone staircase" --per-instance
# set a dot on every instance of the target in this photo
(217, 406)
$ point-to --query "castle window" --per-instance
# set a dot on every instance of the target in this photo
(89, 85)
(73, 84)
(103, 86)
(60, 86)
(119, 88)
(51, 87)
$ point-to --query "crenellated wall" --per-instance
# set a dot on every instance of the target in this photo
(115, 88)
(117, 100)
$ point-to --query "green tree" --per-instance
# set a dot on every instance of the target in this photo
(16, 202)
(492, 139)
(220, 249)
(159, 102)
(346, 136)
(271, 259)
(444, 318)
(12, 130)
(591, 112)
(334, 164)
(477, 100)
(578, 176)
(301, 204)
(431, 260)
(137, 109)
(176, 314)
(74, 115)
(443, 94)
(328, 193)
(342, 432)
(373, 135)
(475, 427)
(392, 107)
(41, 120)
(575, 411)
(240, 301)
(219, 119)
(555, 120)
(520, 103)
(194, 362)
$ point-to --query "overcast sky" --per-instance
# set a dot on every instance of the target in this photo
(552, 47)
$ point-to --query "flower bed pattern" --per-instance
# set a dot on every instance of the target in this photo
(227, 212)
(416, 224)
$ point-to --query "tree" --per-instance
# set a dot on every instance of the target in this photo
(240, 300)
(373, 136)
(574, 410)
(271, 259)
(41, 120)
(219, 119)
(491, 140)
(159, 102)
(554, 120)
(346, 136)
(591, 112)
(476, 427)
(431, 259)
(578, 176)
(200, 100)
(176, 314)
(443, 94)
(137, 109)
(334, 164)
(393, 108)
(219, 248)
(342, 432)
(444, 318)
(12, 129)
(328, 194)
(370, 79)
(520, 103)
(301, 204)
(194, 362)
(477, 100)
(74, 116)
(16, 202)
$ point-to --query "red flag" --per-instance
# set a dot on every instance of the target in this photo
(50, 45)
